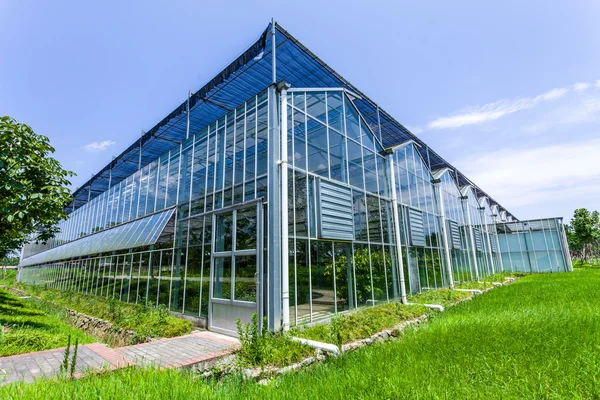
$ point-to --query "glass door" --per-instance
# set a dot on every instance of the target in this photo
(235, 267)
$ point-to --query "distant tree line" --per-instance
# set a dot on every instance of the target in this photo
(583, 236)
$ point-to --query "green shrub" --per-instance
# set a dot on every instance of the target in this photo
(277, 349)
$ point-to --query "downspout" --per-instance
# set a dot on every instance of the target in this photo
(487, 234)
(498, 248)
(473, 249)
(285, 283)
(398, 246)
(445, 234)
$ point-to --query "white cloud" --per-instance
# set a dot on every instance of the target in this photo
(97, 147)
(538, 176)
(495, 110)
(581, 86)
(583, 109)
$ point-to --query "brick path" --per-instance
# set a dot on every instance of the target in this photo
(183, 351)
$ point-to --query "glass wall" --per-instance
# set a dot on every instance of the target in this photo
(472, 209)
(336, 165)
(222, 165)
(424, 260)
(534, 246)
(329, 141)
(460, 250)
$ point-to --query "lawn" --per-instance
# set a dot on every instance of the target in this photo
(536, 338)
(7, 277)
(27, 328)
(144, 321)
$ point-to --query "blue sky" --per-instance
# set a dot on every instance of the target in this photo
(509, 92)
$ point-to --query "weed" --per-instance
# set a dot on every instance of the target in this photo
(268, 348)
(64, 366)
(74, 359)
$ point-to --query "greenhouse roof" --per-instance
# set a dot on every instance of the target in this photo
(247, 75)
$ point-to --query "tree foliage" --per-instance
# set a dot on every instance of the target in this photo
(33, 187)
(583, 234)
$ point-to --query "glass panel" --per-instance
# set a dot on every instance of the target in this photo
(299, 140)
(360, 216)
(337, 155)
(222, 278)
(193, 281)
(378, 263)
(355, 164)
(317, 148)
(334, 110)
(245, 280)
(344, 277)
(315, 105)
(352, 127)
(223, 238)
(323, 296)
(262, 139)
(164, 290)
(246, 229)
(362, 274)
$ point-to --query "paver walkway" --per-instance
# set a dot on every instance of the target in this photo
(182, 351)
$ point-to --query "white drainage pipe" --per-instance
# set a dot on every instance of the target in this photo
(331, 348)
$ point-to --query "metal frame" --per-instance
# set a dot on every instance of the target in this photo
(258, 252)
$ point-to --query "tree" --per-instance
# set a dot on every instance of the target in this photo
(583, 232)
(33, 187)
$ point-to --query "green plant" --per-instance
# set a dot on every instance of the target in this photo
(74, 359)
(267, 348)
(163, 313)
(250, 340)
(64, 366)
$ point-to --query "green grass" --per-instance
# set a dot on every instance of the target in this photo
(27, 328)
(8, 278)
(144, 321)
(536, 338)
(360, 324)
(583, 264)
(444, 297)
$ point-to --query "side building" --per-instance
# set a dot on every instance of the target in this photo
(280, 189)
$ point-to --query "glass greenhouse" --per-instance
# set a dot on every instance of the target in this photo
(280, 189)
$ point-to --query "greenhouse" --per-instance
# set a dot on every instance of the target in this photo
(280, 189)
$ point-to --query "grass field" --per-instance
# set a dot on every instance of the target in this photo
(27, 328)
(536, 338)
